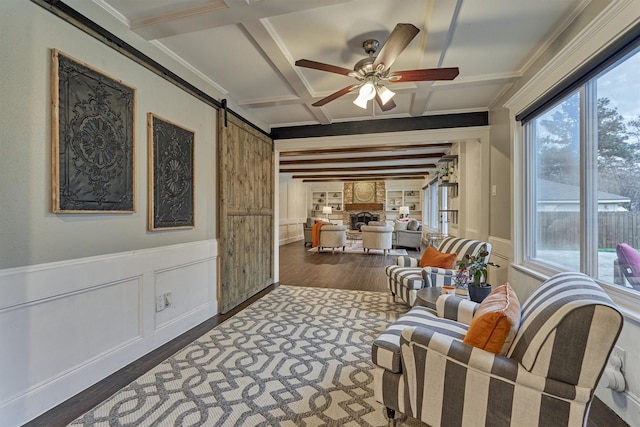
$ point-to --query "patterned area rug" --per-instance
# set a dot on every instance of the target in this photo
(297, 357)
(356, 248)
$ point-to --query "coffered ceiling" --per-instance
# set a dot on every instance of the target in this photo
(245, 51)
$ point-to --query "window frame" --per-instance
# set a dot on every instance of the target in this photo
(588, 115)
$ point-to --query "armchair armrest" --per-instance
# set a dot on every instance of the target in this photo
(435, 276)
(455, 308)
(409, 232)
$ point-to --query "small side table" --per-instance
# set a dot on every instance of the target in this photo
(427, 297)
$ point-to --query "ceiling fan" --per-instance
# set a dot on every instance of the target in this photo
(370, 71)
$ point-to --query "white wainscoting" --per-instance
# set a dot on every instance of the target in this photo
(501, 254)
(291, 230)
(67, 325)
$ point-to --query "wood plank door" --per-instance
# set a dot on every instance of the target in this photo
(245, 214)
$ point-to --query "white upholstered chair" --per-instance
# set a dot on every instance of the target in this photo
(333, 236)
(376, 237)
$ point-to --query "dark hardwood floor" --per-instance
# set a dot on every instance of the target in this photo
(298, 267)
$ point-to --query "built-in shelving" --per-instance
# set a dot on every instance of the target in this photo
(320, 199)
(412, 200)
(394, 200)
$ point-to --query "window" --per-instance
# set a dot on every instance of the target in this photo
(433, 206)
(583, 173)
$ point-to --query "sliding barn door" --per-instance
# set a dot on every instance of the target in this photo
(245, 215)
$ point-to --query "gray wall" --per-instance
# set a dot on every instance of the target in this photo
(500, 203)
(29, 232)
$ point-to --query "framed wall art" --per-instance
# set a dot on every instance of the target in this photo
(171, 175)
(364, 192)
(93, 139)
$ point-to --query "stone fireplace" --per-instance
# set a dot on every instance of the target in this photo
(374, 209)
(359, 219)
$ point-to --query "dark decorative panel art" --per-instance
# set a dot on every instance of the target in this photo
(171, 175)
(93, 139)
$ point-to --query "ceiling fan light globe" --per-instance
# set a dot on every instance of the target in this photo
(385, 94)
(367, 91)
(361, 102)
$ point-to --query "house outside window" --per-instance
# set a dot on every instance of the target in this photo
(582, 178)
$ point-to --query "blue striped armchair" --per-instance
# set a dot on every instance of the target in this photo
(406, 277)
(546, 378)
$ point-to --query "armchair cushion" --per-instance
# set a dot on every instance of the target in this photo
(629, 260)
(434, 258)
(496, 321)
(400, 225)
(386, 348)
(413, 225)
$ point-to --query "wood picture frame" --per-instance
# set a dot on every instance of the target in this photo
(171, 174)
(93, 139)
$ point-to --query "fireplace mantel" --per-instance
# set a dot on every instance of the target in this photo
(364, 206)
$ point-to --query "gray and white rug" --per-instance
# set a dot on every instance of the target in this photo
(296, 357)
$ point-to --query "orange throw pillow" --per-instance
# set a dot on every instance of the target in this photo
(434, 258)
(496, 321)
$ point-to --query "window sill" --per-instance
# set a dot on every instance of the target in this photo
(627, 301)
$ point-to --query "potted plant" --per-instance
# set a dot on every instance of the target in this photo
(475, 267)
(444, 173)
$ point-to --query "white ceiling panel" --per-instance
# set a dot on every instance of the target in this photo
(238, 67)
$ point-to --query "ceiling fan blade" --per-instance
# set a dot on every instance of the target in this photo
(335, 95)
(323, 67)
(385, 107)
(399, 39)
(428, 74)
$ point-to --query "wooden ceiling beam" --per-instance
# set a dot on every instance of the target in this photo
(360, 159)
(354, 168)
(371, 178)
(370, 149)
(363, 177)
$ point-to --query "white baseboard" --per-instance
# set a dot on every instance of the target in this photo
(72, 323)
(626, 405)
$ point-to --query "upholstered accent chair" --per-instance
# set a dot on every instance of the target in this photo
(333, 236)
(376, 237)
(407, 234)
(626, 267)
(406, 277)
(307, 230)
(546, 378)
(409, 239)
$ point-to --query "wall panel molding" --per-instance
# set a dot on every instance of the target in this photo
(89, 317)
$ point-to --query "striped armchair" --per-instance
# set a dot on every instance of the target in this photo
(547, 377)
(406, 278)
